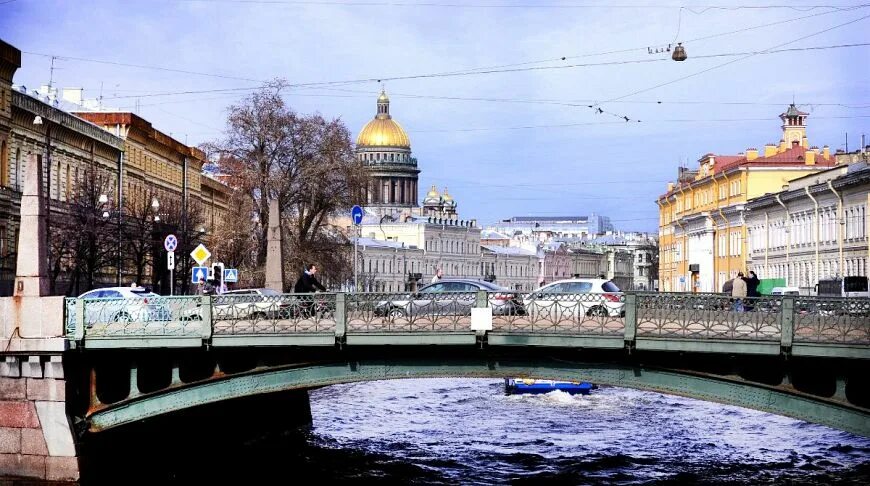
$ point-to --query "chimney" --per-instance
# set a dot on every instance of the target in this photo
(670, 186)
(815, 149)
(810, 157)
(769, 150)
(805, 142)
(751, 153)
(795, 143)
(826, 152)
(782, 146)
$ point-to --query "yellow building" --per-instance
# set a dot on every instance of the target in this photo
(702, 230)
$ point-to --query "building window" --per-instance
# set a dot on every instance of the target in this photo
(4, 165)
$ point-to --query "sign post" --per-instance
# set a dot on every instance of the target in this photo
(357, 214)
(170, 243)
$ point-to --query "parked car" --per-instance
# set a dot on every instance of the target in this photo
(123, 304)
(576, 297)
(258, 303)
(785, 291)
(451, 297)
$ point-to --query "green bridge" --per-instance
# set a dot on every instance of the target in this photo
(801, 357)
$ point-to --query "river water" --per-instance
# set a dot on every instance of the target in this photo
(467, 431)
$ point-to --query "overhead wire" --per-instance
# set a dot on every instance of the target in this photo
(486, 70)
(345, 3)
(698, 73)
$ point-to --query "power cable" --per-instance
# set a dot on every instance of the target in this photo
(222, 76)
(766, 51)
(541, 68)
(345, 3)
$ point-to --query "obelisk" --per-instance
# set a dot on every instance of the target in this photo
(274, 260)
(31, 276)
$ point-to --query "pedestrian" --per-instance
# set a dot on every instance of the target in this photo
(738, 292)
(727, 286)
(307, 284)
(752, 293)
(438, 276)
(752, 283)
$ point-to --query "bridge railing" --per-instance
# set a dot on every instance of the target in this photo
(644, 320)
(709, 316)
(138, 317)
(409, 312)
(831, 320)
(236, 315)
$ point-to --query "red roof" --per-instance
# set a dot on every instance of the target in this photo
(794, 156)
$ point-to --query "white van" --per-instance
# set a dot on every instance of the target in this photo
(785, 291)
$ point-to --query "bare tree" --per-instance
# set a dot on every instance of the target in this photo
(306, 163)
(233, 241)
(186, 222)
(92, 236)
(138, 231)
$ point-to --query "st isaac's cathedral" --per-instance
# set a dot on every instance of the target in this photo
(403, 244)
(385, 148)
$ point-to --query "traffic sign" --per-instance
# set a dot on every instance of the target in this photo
(170, 260)
(357, 214)
(200, 254)
(170, 243)
(199, 274)
(231, 275)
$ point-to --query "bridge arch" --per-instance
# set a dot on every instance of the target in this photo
(727, 389)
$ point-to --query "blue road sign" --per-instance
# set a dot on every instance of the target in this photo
(199, 274)
(357, 214)
(170, 243)
(231, 275)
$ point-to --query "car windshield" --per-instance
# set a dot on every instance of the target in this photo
(269, 292)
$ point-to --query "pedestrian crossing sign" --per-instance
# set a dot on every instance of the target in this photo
(199, 275)
(231, 275)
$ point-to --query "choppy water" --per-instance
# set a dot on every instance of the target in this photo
(467, 431)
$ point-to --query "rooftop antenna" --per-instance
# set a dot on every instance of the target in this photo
(100, 98)
(51, 73)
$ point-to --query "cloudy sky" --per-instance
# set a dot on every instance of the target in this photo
(518, 141)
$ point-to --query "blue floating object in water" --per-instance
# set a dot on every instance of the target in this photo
(516, 386)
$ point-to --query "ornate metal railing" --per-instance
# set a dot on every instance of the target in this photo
(410, 312)
(830, 320)
(653, 317)
(152, 316)
(279, 314)
(708, 316)
(538, 312)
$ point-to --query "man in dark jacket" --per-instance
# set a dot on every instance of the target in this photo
(752, 283)
(307, 284)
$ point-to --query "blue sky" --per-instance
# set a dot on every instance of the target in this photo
(542, 152)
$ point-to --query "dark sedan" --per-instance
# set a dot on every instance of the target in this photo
(451, 297)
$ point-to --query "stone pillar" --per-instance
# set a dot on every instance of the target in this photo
(32, 268)
(274, 260)
(36, 439)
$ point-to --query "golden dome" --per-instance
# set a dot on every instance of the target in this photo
(383, 131)
(432, 192)
(446, 197)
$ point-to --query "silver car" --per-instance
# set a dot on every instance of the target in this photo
(123, 304)
(576, 297)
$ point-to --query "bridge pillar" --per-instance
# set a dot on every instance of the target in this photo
(36, 439)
